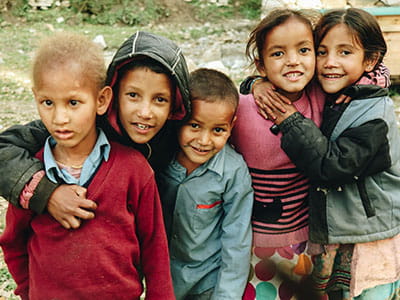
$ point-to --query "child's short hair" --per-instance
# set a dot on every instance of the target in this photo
(361, 24)
(212, 86)
(66, 47)
(256, 42)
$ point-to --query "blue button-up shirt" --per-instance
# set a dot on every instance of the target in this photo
(207, 216)
(100, 151)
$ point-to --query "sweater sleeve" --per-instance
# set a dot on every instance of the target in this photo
(155, 263)
(357, 152)
(13, 242)
(18, 144)
(236, 237)
(380, 77)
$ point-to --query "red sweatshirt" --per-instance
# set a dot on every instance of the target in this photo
(107, 256)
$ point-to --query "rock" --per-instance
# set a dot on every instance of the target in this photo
(99, 39)
(42, 4)
(267, 5)
(217, 65)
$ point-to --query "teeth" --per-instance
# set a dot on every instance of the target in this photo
(141, 126)
(200, 150)
(292, 75)
(333, 76)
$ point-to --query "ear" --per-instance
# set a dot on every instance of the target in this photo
(34, 92)
(35, 97)
(371, 62)
(103, 100)
(260, 68)
(233, 121)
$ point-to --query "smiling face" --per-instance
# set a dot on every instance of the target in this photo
(145, 100)
(340, 60)
(289, 57)
(206, 133)
(67, 103)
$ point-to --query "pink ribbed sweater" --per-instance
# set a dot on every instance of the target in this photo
(280, 214)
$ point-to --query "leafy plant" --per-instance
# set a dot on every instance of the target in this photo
(5, 277)
(127, 12)
(250, 9)
(207, 10)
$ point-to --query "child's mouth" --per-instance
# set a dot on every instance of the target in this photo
(142, 126)
(332, 76)
(199, 150)
(293, 75)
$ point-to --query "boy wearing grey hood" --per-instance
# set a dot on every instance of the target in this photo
(141, 115)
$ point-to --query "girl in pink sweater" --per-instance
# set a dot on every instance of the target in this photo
(282, 48)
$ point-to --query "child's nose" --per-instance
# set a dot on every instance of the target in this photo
(292, 59)
(330, 61)
(145, 110)
(61, 116)
(204, 138)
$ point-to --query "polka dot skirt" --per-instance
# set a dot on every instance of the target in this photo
(271, 266)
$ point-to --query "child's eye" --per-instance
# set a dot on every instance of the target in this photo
(345, 52)
(47, 102)
(73, 102)
(132, 95)
(321, 53)
(277, 53)
(161, 100)
(219, 130)
(194, 125)
(304, 50)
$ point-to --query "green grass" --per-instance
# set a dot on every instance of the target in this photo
(6, 277)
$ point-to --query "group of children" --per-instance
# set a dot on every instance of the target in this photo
(171, 201)
(337, 175)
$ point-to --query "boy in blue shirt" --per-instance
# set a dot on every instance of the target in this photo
(207, 197)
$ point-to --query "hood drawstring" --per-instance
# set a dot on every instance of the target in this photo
(150, 151)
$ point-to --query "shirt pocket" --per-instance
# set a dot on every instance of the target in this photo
(207, 215)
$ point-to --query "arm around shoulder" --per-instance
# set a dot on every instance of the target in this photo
(356, 152)
(18, 144)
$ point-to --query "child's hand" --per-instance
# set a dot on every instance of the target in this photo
(260, 92)
(68, 204)
(277, 107)
(343, 99)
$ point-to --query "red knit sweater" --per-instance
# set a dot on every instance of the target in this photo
(107, 256)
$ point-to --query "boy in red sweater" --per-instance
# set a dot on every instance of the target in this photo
(107, 257)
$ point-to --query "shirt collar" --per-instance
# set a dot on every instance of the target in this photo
(100, 152)
(214, 164)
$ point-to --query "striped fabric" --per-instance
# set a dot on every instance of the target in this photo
(279, 207)
(280, 211)
(332, 269)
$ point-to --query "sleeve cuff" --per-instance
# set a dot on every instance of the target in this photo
(246, 85)
(42, 194)
(289, 122)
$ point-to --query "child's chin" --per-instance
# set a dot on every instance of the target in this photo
(330, 89)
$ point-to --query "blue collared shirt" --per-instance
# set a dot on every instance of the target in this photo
(100, 151)
(207, 217)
